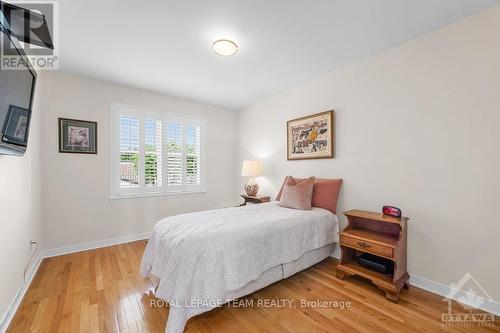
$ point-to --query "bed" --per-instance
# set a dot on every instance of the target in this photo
(199, 261)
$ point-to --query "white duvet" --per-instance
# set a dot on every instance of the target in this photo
(199, 258)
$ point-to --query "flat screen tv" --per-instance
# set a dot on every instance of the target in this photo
(17, 87)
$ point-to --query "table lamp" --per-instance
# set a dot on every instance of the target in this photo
(251, 168)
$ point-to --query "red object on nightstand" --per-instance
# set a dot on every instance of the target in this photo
(391, 211)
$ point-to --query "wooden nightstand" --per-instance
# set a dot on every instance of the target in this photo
(379, 235)
(254, 199)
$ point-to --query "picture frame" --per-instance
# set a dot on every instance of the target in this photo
(311, 137)
(16, 126)
(77, 136)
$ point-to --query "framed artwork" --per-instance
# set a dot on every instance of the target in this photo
(16, 126)
(77, 136)
(310, 137)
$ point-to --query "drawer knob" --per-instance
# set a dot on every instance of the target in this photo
(363, 244)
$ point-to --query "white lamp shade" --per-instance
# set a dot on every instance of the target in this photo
(251, 168)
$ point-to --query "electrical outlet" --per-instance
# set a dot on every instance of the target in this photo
(32, 243)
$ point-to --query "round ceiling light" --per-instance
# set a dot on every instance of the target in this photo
(225, 47)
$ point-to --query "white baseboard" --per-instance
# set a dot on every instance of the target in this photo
(487, 305)
(14, 305)
(444, 290)
(12, 309)
(94, 245)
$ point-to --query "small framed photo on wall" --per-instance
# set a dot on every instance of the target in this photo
(311, 137)
(77, 136)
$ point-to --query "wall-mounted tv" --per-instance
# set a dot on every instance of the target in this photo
(17, 87)
(17, 83)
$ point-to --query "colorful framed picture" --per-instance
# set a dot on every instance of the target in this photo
(77, 136)
(311, 137)
(16, 126)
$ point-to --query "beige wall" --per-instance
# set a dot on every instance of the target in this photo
(20, 218)
(76, 187)
(417, 127)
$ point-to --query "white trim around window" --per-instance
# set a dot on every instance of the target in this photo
(155, 153)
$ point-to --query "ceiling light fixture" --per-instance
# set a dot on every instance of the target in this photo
(225, 47)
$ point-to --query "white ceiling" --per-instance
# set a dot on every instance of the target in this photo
(165, 46)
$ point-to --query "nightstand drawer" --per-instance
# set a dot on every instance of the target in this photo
(366, 246)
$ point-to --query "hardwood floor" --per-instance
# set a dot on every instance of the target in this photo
(101, 291)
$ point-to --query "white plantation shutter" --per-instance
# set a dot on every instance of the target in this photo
(174, 154)
(155, 152)
(193, 155)
(129, 152)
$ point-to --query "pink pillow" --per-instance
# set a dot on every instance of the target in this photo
(325, 193)
(278, 196)
(297, 195)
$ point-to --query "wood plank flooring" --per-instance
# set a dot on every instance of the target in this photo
(101, 291)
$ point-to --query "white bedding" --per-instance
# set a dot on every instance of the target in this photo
(200, 258)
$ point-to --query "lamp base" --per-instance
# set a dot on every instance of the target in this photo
(252, 188)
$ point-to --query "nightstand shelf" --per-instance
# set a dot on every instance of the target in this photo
(374, 236)
(381, 236)
(357, 269)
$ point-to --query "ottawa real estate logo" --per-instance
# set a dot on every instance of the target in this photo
(469, 297)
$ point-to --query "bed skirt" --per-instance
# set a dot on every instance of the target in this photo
(270, 276)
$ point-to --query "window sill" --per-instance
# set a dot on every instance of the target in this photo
(146, 196)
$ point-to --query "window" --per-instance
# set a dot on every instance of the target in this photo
(155, 153)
